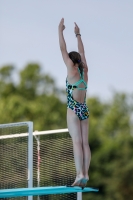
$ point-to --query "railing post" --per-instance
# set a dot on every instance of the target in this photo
(79, 195)
(30, 157)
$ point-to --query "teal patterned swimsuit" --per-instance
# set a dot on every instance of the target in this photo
(80, 109)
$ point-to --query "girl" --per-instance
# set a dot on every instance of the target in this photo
(77, 110)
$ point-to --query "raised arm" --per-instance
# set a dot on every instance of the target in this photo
(80, 44)
(62, 44)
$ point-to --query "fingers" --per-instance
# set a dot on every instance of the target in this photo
(76, 29)
(62, 20)
(75, 24)
(61, 25)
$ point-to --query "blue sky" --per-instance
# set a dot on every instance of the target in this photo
(29, 33)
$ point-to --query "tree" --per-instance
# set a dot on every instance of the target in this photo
(111, 145)
(35, 97)
(6, 81)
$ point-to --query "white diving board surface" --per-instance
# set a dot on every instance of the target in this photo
(43, 191)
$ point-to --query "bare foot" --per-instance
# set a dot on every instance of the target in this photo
(78, 180)
(84, 181)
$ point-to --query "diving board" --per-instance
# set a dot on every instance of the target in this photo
(43, 191)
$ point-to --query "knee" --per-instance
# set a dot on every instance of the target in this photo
(85, 143)
(77, 141)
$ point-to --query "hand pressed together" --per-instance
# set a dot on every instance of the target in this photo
(61, 25)
(76, 29)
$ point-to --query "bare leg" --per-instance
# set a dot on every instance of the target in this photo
(74, 128)
(86, 149)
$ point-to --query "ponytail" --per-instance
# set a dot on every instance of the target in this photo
(81, 66)
(76, 59)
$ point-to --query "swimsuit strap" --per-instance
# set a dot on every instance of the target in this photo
(80, 81)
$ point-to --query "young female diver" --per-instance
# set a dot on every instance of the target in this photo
(77, 110)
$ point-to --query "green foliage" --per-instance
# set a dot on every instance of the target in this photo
(33, 82)
(6, 72)
(6, 81)
(36, 98)
(111, 145)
